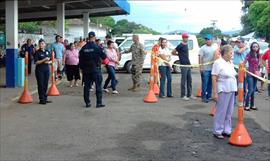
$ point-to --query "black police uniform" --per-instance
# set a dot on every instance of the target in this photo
(30, 50)
(90, 63)
(42, 74)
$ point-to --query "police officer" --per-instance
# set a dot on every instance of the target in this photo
(138, 56)
(29, 47)
(42, 59)
(90, 64)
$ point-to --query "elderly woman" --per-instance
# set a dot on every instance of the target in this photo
(224, 88)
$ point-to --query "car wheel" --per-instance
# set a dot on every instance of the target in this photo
(128, 66)
(176, 69)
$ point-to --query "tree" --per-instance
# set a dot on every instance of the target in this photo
(211, 30)
(256, 18)
(124, 26)
(106, 21)
(259, 16)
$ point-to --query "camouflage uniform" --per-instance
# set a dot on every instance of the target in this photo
(138, 55)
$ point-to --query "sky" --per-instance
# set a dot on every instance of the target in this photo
(188, 15)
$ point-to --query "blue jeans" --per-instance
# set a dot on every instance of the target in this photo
(206, 85)
(111, 77)
(165, 72)
(269, 85)
(251, 82)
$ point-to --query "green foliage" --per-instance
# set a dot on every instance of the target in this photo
(201, 40)
(30, 27)
(124, 26)
(106, 21)
(257, 18)
(211, 30)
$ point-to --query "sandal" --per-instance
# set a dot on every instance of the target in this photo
(218, 136)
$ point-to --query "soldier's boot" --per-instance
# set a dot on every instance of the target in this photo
(132, 88)
(137, 87)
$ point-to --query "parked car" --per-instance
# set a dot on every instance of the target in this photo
(149, 41)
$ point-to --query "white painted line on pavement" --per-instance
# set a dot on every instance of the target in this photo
(33, 92)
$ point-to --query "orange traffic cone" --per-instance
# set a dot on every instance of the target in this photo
(240, 136)
(53, 91)
(212, 111)
(26, 96)
(156, 89)
(151, 97)
(199, 92)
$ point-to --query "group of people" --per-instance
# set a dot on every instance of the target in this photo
(217, 67)
(221, 78)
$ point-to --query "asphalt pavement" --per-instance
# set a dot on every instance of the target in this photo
(127, 129)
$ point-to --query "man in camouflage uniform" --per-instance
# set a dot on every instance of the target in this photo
(138, 55)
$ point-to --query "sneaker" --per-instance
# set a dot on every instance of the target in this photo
(247, 108)
(106, 90)
(115, 92)
(205, 100)
(253, 108)
(192, 97)
(185, 98)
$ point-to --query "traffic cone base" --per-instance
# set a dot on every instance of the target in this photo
(150, 97)
(25, 97)
(156, 89)
(240, 136)
(212, 111)
(199, 92)
(53, 91)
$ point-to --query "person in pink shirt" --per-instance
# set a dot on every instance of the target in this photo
(113, 61)
(71, 58)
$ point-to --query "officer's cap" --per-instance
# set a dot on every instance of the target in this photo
(91, 34)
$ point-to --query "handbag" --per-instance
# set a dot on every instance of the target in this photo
(105, 61)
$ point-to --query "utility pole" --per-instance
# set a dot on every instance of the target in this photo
(214, 25)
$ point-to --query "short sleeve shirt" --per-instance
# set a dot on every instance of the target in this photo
(183, 54)
(207, 55)
(165, 52)
(266, 56)
(58, 48)
(40, 55)
(225, 72)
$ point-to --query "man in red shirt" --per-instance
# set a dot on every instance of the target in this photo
(266, 56)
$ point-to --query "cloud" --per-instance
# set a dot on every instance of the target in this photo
(192, 15)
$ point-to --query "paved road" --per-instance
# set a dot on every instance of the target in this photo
(127, 129)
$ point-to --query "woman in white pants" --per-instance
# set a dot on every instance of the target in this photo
(224, 88)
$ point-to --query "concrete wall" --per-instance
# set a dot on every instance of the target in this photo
(74, 32)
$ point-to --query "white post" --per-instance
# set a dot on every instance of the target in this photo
(11, 42)
(85, 24)
(61, 19)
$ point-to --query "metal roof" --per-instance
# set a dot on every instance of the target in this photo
(37, 10)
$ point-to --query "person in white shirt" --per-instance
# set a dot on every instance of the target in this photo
(165, 69)
(224, 88)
